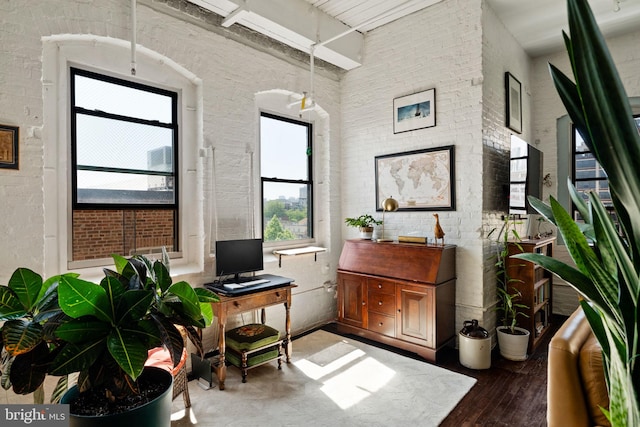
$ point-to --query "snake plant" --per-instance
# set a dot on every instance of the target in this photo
(607, 261)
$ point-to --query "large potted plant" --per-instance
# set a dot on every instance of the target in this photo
(104, 331)
(364, 223)
(513, 341)
(607, 261)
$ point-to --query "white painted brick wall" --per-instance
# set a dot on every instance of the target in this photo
(232, 73)
(463, 53)
(456, 46)
(501, 53)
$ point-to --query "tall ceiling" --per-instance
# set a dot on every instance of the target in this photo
(333, 29)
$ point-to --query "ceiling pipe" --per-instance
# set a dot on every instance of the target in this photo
(313, 46)
(236, 15)
(365, 23)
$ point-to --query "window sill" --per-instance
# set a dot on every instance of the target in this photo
(96, 274)
(298, 251)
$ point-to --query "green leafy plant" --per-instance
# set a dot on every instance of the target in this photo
(26, 304)
(364, 220)
(102, 331)
(607, 263)
(508, 306)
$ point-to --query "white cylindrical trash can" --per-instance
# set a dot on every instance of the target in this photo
(474, 346)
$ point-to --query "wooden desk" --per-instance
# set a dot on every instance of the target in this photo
(229, 305)
(399, 294)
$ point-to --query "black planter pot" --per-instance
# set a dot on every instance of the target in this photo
(156, 413)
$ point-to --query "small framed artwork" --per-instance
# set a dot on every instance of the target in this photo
(513, 90)
(9, 147)
(420, 180)
(415, 111)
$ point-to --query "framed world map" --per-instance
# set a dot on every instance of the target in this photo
(418, 180)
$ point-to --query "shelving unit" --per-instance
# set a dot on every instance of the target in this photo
(535, 285)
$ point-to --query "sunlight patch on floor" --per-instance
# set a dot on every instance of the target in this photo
(316, 372)
(357, 383)
(343, 384)
(184, 413)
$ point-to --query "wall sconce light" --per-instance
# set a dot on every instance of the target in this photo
(388, 205)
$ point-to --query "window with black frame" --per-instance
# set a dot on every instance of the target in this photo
(124, 138)
(588, 175)
(286, 178)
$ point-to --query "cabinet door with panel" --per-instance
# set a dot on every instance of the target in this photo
(415, 314)
(352, 297)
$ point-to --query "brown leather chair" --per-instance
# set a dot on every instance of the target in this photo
(576, 386)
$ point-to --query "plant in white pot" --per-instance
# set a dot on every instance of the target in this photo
(364, 223)
(513, 341)
(104, 332)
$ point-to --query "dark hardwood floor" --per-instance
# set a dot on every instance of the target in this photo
(507, 394)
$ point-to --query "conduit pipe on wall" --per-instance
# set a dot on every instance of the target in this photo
(134, 42)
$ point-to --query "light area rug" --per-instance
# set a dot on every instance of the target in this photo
(331, 381)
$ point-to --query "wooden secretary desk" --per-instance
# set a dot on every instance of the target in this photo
(401, 294)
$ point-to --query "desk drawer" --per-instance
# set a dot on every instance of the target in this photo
(385, 325)
(381, 286)
(256, 301)
(382, 303)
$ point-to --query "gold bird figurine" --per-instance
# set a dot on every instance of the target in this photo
(438, 231)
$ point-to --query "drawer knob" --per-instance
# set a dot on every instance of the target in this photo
(363, 303)
(379, 285)
(380, 324)
(379, 302)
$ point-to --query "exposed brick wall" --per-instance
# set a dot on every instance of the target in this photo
(100, 233)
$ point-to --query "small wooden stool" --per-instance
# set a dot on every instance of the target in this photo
(253, 345)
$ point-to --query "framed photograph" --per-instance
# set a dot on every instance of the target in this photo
(513, 90)
(9, 147)
(414, 111)
(422, 180)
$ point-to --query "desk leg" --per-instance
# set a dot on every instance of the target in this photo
(222, 367)
(288, 348)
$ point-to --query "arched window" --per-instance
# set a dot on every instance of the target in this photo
(133, 165)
